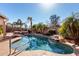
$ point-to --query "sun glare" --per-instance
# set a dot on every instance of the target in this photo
(47, 6)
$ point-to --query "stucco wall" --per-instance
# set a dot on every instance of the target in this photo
(1, 21)
(3, 26)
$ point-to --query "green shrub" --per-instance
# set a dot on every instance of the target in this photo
(1, 30)
(70, 28)
(51, 32)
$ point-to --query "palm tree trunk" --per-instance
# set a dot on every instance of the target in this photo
(31, 24)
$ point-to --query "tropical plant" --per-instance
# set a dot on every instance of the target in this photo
(40, 27)
(34, 27)
(70, 28)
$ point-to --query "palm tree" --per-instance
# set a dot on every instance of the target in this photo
(30, 19)
(70, 29)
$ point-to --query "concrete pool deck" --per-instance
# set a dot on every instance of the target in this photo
(4, 46)
(4, 51)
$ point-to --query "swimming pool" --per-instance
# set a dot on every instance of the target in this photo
(36, 42)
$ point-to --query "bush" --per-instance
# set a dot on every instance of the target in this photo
(51, 32)
(1, 30)
(70, 29)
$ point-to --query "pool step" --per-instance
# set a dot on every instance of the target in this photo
(19, 49)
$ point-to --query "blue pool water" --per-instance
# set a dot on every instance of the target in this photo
(33, 42)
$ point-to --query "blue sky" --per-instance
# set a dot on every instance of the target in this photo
(39, 12)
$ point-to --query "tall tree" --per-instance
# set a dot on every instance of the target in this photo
(54, 20)
(30, 19)
(18, 24)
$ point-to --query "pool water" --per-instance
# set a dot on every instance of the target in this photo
(33, 42)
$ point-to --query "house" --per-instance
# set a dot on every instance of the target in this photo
(3, 22)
